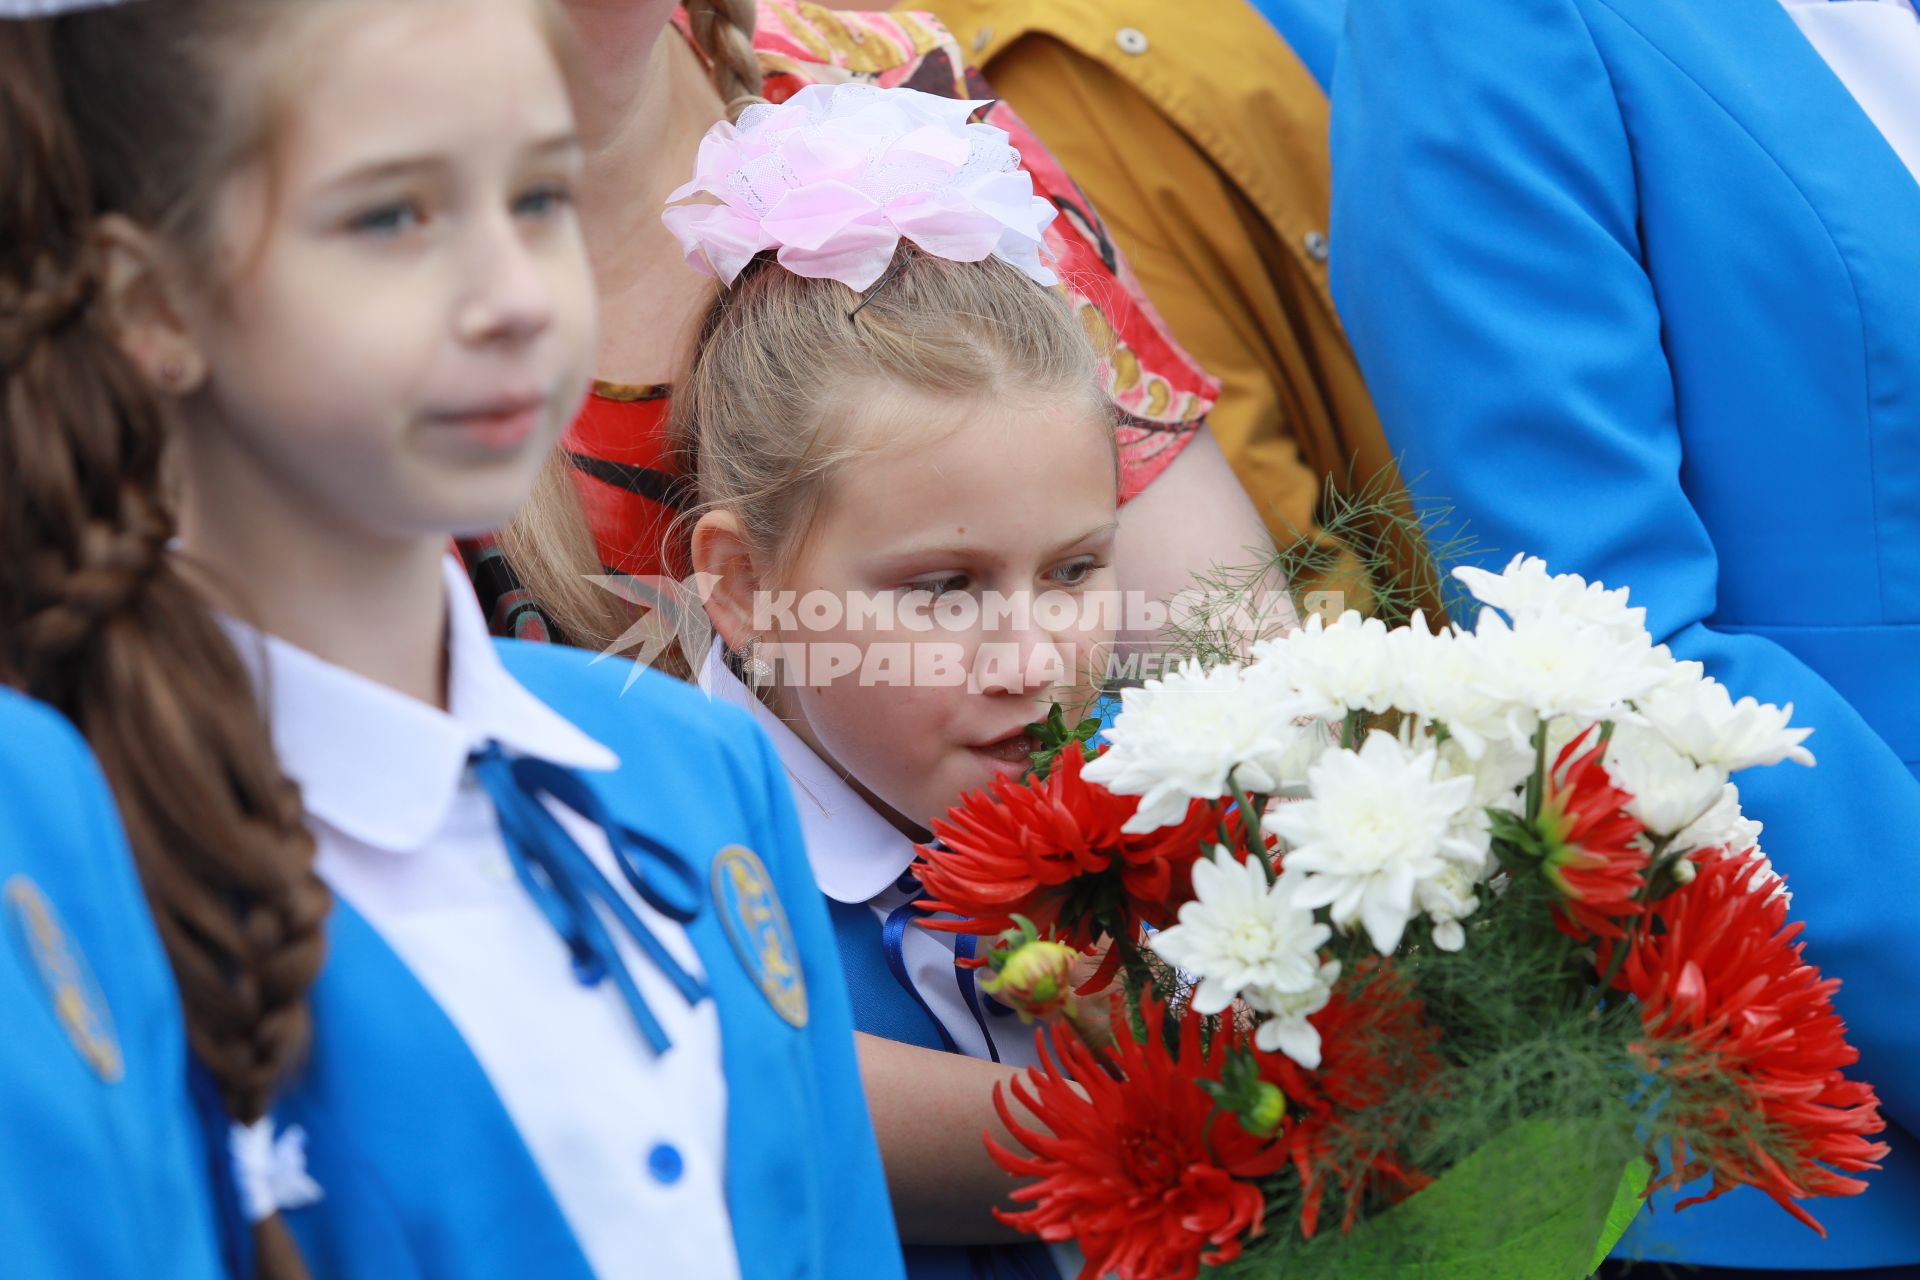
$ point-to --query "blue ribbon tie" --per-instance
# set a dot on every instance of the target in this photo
(570, 890)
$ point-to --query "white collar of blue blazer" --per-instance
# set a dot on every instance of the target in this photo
(49, 8)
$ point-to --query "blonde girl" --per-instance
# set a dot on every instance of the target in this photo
(906, 472)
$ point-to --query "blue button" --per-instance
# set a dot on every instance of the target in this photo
(665, 1163)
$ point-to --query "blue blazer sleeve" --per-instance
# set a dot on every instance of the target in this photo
(859, 1237)
(1488, 265)
(95, 1167)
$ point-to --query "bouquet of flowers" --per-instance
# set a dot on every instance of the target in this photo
(1428, 951)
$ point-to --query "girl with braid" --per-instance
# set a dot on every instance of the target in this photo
(498, 963)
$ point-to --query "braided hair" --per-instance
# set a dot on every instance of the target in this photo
(723, 31)
(96, 616)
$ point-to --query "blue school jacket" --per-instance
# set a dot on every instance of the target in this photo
(101, 1165)
(1636, 286)
(423, 1173)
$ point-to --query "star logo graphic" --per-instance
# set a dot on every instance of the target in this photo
(671, 615)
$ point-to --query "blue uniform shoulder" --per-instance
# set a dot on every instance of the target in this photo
(30, 733)
(667, 733)
(578, 683)
(93, 1062)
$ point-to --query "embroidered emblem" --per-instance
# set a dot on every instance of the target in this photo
(756, 923)
(77, 1001)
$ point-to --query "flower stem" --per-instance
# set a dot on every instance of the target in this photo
(1250, 816)
(1350, 729)
(1643, 894)
(1537, 780)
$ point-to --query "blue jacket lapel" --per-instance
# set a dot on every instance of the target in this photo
(1753, 62)
(424, 1115)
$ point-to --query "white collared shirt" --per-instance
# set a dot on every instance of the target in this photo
(1874, 47)
(632, 1145)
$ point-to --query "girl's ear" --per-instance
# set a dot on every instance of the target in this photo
(145, 307)
(724, 567)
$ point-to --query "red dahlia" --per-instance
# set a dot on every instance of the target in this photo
(1593, 852)
(1345, 1121)
(1743, 1034)
(1138, 1165)
(1052, 850)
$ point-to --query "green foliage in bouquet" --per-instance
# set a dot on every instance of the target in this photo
(1053, 736)
(1523, 1110)
(1371, 553)
(1541, 1201)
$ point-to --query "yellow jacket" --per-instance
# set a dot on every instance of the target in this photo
(1202, 140)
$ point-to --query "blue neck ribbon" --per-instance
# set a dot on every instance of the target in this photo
(571, 891)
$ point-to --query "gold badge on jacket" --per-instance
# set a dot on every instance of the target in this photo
(756, 924)
(77, 1001)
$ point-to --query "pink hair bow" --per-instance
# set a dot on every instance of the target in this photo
(835, 177)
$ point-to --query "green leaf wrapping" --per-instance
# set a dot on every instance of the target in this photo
(1543, 1201)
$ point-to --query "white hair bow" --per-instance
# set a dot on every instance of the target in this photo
(271, 1171)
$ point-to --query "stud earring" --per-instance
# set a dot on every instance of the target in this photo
(755, 670)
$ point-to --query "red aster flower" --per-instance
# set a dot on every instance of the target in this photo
(1743, 1034)
(1345, 1120)
(1052, 850)
(1590, 845)
(1142, 1169)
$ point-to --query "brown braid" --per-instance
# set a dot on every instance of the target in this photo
(723, 32)
(96, 618)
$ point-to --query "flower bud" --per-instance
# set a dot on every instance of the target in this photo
(1262, 1110)
(1034, 978)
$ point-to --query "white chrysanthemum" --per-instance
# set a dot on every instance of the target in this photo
(1743, 834)
(1378, 823)
(1524, 589)
(1334, 669)
(1670, 793)
(1499, 773)
(1546, 666)
(1179, 738)
(1722, 826)
(1764, 880)
(1240, 934)
(1701, 720)
(1446, 900)
(1675, 674)
(1439, 680)
(1286, 1028)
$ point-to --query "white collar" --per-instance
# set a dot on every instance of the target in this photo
(856, 854)
(384, 768)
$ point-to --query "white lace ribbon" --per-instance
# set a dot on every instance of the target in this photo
(272, 1172)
